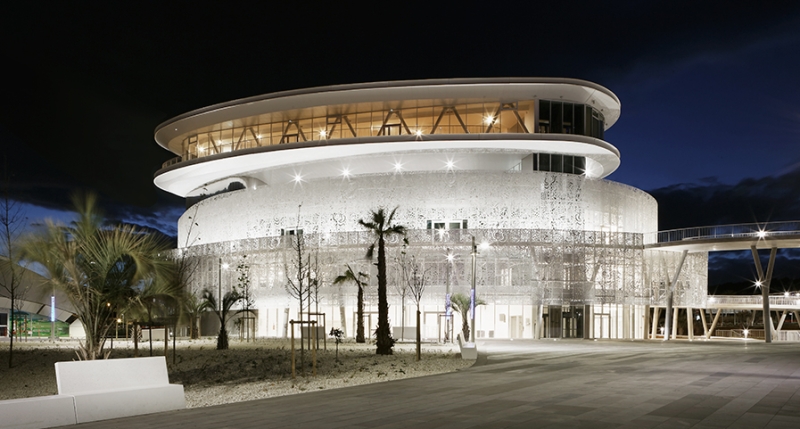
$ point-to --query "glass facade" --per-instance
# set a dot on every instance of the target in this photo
(427, 117)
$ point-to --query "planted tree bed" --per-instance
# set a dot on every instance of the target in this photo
(246, 371)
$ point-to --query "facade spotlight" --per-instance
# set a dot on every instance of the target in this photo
(323, 133)
(346, 172)
(761, 233)
(298, 178)
(418, 133)
(398, 166)
(488, 120)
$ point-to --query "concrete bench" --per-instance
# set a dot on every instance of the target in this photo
(469, 351)
(107, 389)
(38, 412)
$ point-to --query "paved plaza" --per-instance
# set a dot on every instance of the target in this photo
(546, 384)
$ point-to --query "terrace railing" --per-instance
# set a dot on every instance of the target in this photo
(741, 230)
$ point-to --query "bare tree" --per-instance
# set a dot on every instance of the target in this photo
(298, 282)
(248, 303)
(12, 220)
(401, 287)
(415, 278)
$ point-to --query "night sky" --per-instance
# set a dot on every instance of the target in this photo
(710, 123)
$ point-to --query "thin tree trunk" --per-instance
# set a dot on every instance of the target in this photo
(135, 339)
(11, 335)
(419, 336)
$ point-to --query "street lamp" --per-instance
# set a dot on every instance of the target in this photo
(448, 311)
(472, 291)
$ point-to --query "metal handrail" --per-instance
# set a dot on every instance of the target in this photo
(172, 161)
(741, 230)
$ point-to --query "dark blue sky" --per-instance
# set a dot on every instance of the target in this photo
(710, 122)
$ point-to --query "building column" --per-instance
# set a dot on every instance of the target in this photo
(654, 328)
(703, 319)
(690, 323)
(765, 288)
(587, 322)
(675, 325)
(646, 327)
(539, 321)
(670, 324)
(713, 324)
(783, 318)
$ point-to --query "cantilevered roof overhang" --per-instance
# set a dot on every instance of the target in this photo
(246, 111)
(181, 179)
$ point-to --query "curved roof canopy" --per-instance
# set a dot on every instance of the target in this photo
(265, 108)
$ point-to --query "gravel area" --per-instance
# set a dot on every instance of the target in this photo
(247, 371)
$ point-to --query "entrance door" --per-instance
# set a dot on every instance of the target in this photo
(602, 325)
(515, 327)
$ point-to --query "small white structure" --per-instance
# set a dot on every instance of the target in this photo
(38, 412)
(112, 388)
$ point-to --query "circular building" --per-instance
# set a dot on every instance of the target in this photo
(517, 163)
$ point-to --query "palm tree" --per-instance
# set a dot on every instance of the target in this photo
(100, 268)
(460, 303)
(381, 226)
(228, 301)
(193, 307)
(360, 280)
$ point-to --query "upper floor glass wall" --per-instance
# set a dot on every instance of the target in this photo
(437, 118)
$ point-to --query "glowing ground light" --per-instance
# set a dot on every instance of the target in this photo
(345, 172)
(398, 167)
(450, 164)
(298, 178)
(761, 234)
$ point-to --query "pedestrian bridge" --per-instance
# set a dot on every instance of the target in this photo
(741, 236)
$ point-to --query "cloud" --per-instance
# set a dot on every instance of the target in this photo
(771, 198)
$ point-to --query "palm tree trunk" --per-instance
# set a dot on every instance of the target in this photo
(383, 334)
(360, 315)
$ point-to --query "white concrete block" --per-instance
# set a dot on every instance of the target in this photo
(38, 412)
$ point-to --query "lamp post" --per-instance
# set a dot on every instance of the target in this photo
(447, 304)
(472, 292)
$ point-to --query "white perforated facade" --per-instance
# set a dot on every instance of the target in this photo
(563, 250)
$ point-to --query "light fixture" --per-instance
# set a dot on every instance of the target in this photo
(398, 166)
(761, 233)
(225, 266)
(297, 178)
(345, 172)
(485, 245)
(488, 120)
(758, 283)
(323, 133)
(450, 164)
(418, 133)
(450, 257)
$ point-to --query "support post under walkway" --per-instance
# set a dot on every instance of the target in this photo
(764, 282)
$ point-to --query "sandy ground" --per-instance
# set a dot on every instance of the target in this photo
(248, 370)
